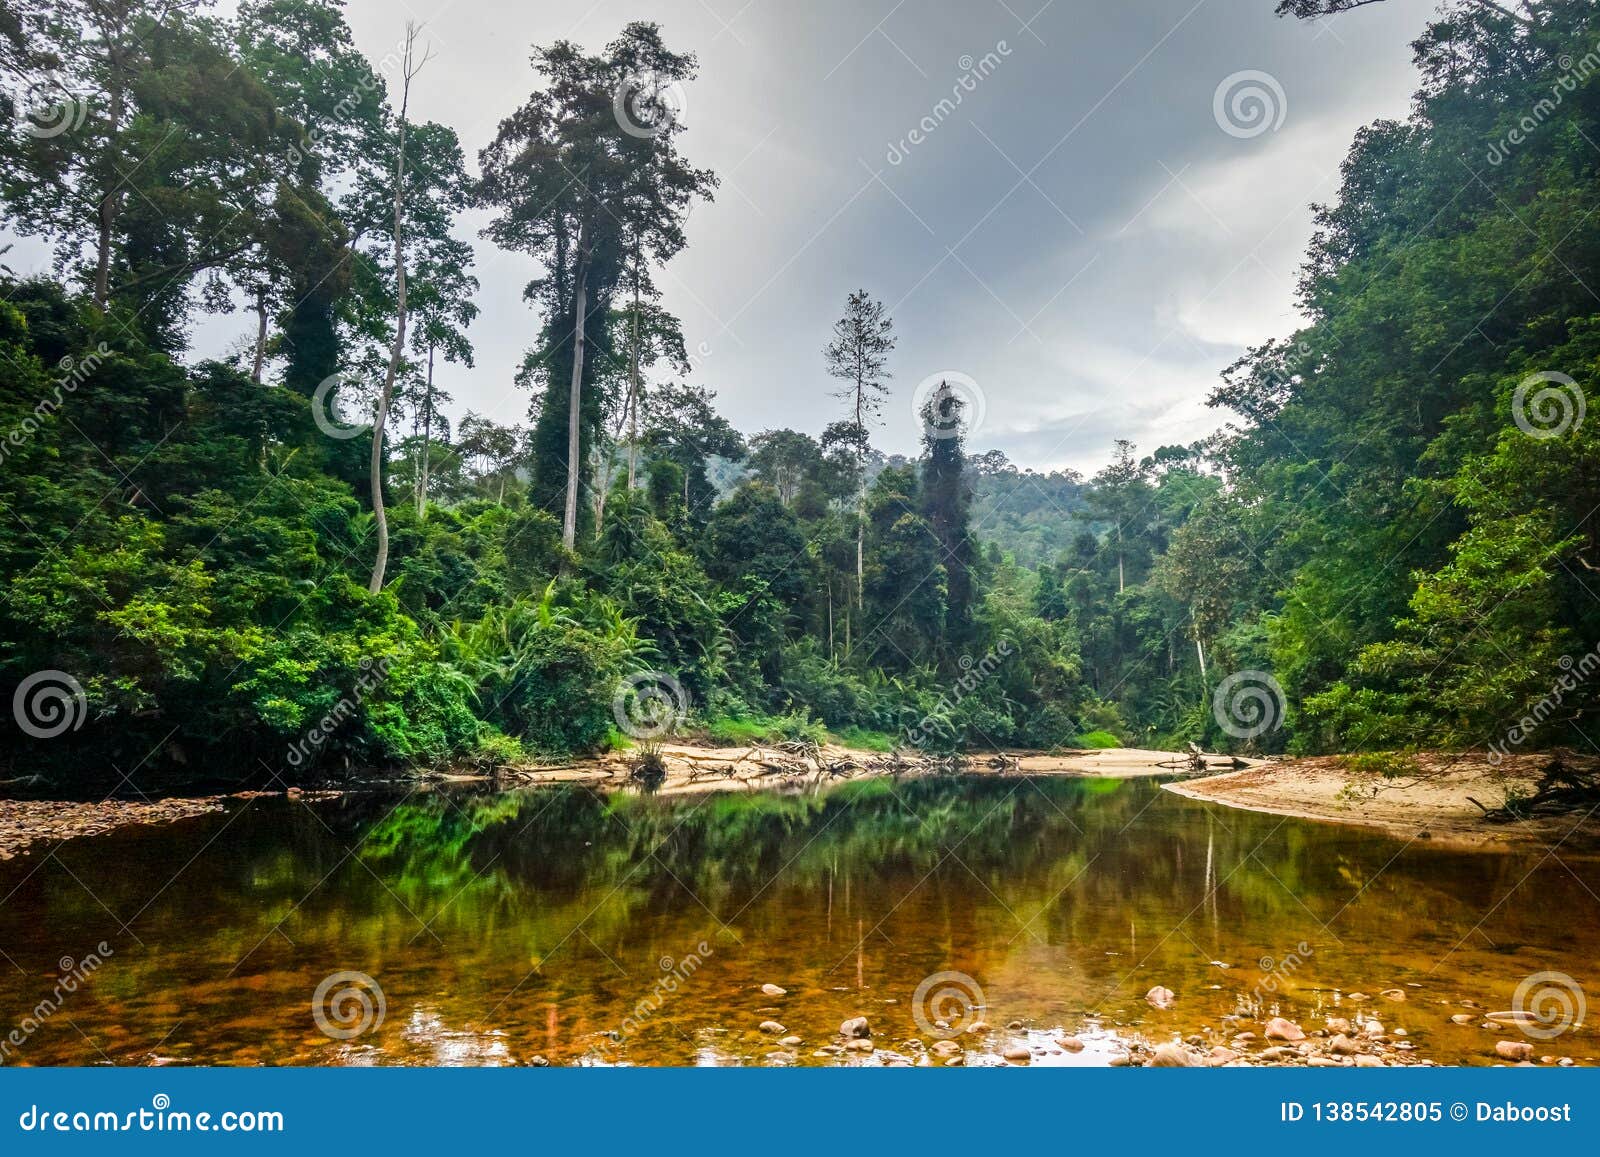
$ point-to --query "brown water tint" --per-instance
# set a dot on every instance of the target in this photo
(550, 923)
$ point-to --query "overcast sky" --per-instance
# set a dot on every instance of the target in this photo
(1079, 234)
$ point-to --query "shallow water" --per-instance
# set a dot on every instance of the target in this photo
(563, 924)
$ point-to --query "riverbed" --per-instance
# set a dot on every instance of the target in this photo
(964, 917)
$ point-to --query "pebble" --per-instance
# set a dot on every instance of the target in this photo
(1338, 1024)
(1373, 1028)
(1222, 1055)
(773, 1027)
(1016, 1053)
(538, 1062)
(1513, 1050)
(1394, 994)
(1120, 1061)
(791, 1041)
(978, 1026)
(954, 1062)
(774, 990)
(946, 1048)
(1343, 1046)
(1358, 996)
(1172, 1056)
(856, 1026)
(860, 1045)
(1323, 1063)
(1276, 1053)
(1015, 1024)
(1071, 1043)
(1280, 1029)
(1244, 1036)
(1159, 997)
(1463, 1018)
(1366, 1061)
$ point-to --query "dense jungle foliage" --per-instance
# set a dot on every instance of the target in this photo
(1395, 523)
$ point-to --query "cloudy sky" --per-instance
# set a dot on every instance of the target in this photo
(1082, 229)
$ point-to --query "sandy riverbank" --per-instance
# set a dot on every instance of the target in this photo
(694, 768)
(1434, 805)
(689, 768)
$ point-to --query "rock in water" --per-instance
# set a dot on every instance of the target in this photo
(1017, 1053)
(1171, 1056)
(1160, 997)
(1280, 1029)
(773, 1027)
(773, 990)
(1071, 1043)
(855, 1027)
(1343, 1046)
(1513, 1050)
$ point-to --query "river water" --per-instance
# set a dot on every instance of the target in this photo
(567, 926)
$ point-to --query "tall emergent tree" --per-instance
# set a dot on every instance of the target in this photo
(585, 176)
(858, 355)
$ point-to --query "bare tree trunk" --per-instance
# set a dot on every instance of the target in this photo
(1200, 650)
(397, 350)
(107, 210)
(569, 525)
(633, 383)
(261, 334)
(427, 440)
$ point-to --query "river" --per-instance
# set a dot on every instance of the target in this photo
(564, 925)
